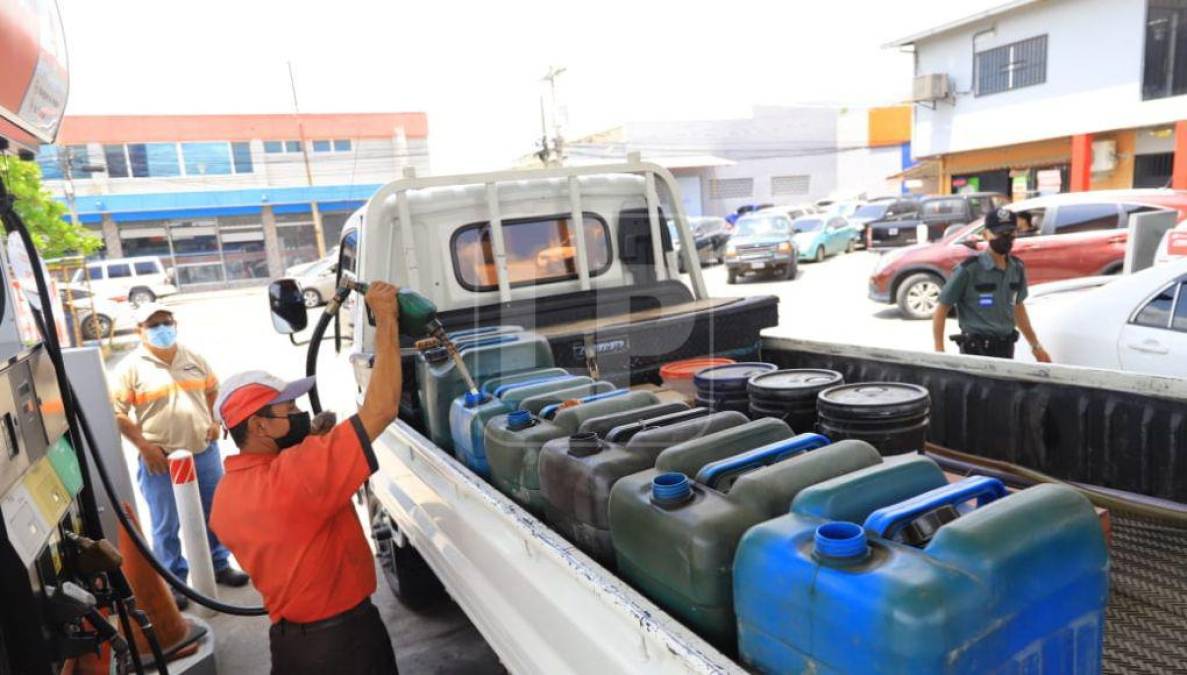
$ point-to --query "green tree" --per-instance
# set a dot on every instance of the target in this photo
(43, 215)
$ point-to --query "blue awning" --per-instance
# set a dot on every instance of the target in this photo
(178, 205)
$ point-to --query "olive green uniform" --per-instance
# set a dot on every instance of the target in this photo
(985, 297)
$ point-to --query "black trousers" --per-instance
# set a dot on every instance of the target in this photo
(354, 642)
(986, 345)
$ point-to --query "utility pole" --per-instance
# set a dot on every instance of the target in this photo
(317, 228)
(558, 142)
(545, 159)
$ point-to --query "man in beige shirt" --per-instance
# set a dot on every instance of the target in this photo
(163, 397)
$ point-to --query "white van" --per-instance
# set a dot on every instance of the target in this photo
(137, 280)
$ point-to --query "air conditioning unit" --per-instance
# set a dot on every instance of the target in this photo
(933, 87)
(1104, 156)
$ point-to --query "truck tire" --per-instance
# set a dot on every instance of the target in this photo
(918, 295)
(408, 575)
(789, 272)
(731, 277)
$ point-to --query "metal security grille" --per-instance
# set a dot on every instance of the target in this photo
(790, 185)
(731, 188)
(1012, 66)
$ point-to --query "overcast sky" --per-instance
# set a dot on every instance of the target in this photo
(475, 67)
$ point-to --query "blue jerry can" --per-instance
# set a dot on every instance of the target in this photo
(1017, 585)
(469, 413)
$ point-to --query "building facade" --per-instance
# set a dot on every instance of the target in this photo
(227, 199)
(779, 155)
(1041, 96)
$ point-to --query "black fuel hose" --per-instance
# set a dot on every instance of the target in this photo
(319, 332)
(14, 223)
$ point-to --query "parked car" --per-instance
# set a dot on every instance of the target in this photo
(1173, 245)
(1136, 323)
(819, 236)
(732, 218)
(938, 214)
(710, 233)
(97, 317)
(882, 209)
(301, 268)
(844, 209)
(318, 282)
(137, 280)
(763, 242)
(1070, 235)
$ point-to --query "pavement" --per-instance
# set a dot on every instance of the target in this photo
(233, 330)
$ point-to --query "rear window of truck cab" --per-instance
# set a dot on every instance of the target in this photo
(540, 250)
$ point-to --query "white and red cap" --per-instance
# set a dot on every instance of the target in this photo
(244, 394)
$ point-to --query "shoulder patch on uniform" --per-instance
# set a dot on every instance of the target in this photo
(968, 261)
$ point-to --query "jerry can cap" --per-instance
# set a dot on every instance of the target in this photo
(670, 489)
(519, 420)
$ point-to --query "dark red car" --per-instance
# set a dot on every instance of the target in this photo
(1070, 235)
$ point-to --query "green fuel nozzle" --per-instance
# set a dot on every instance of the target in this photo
(418, 319)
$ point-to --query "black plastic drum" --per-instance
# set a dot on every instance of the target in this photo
(790, 395)
(724, 387)
(891, 416)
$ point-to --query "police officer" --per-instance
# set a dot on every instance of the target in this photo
(988, 291)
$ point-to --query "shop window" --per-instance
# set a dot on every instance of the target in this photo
(321, 146)
(292, 146)
(116, 158)
(153, 160)
(1013, 66)
(273, 147)
(539, 251)
(47, 160)
(1075, 218)
(241, 157)
(1164, 72)
(1153, 170)
(342, 145)
(244, 253)
(206, 159)
(298, 244)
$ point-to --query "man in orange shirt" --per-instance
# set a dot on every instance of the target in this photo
(284, 509)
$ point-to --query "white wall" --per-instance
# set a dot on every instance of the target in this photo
(866, 170)
(1095, 50)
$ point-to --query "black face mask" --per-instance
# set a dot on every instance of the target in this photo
(298, 430)
(1002, 245)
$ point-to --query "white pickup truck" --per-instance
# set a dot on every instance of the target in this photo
(496, 249)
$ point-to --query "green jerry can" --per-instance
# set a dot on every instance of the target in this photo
(607, 423)
(578, 471)
(439, 381)
(688, 457)
(552, 400)
(513, 441)
(674, 538)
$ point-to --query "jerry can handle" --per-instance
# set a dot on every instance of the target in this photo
(549, 411)
(712, 474)
(475, 342)
(887, 521)
(504, 388)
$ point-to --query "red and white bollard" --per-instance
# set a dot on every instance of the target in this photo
(194, 544)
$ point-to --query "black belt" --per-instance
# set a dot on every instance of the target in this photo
(284, 625)
(964, 339)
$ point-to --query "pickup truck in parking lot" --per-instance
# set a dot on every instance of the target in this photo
(617, 310)
(1069, 235)
(939, 214)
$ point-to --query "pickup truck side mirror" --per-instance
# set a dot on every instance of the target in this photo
(288, 308)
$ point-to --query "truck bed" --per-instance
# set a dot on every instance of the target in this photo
(546, 607)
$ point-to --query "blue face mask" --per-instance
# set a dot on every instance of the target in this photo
(162, 337)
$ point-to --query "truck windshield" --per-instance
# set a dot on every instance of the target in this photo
(874, 211)
(752, 226)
